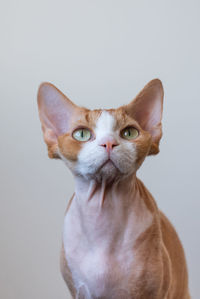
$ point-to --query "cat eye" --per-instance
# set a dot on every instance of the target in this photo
(82, 134)
(129, 133)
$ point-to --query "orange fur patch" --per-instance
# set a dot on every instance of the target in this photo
(69, 147)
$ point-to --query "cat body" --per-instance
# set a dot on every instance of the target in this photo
(116, 242)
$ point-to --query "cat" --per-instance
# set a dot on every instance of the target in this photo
(116, 242)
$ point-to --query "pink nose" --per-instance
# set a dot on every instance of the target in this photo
(109, 144)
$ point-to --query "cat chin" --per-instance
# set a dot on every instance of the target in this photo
(107, 173)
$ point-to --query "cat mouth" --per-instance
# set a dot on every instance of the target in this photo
(107, 163)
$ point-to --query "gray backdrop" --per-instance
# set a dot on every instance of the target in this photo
(100, 53)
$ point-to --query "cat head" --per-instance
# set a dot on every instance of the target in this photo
(102, 144)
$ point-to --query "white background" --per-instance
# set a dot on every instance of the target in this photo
(100, 53)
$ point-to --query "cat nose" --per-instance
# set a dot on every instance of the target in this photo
(109, 144)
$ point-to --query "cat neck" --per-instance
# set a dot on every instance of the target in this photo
(122, 193)
(121, 208)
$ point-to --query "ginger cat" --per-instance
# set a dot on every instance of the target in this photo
(116, 242)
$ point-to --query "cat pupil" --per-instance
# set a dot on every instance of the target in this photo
(82, 133)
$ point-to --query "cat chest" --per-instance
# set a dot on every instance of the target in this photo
(99, 273)
(100, 251)
(100, 268)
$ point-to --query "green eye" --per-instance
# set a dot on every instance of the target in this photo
(82, 134)
(129, 133)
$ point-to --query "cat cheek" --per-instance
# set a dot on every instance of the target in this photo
(130, 158)
(69, 147)
(143, 146)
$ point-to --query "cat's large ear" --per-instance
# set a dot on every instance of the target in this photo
(55, 111)
(147, 109)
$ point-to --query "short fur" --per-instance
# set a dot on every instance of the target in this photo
(116, 242)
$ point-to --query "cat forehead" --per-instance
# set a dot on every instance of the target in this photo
(96, 118)
(111, 120)
(106, 122)
(102, 119)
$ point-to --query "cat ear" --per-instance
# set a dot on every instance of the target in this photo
(147, 109)
(55, 112)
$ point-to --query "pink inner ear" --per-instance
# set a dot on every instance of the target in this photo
(146, 108)
(55, 111)
(148, 113)
(56, 115)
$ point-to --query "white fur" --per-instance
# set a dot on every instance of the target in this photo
(105, 126)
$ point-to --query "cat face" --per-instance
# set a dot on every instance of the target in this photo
(101, 144)
(94, 158)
